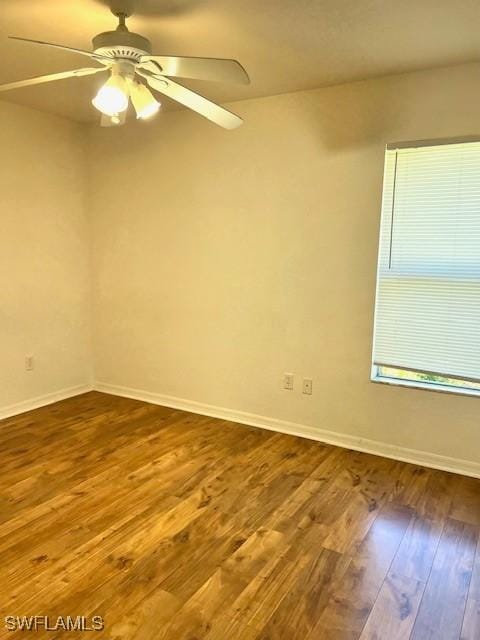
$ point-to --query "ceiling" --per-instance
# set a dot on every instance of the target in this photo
(286, 45)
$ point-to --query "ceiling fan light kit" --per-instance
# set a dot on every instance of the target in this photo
(144, 103)
(112, 98)
(126, 55)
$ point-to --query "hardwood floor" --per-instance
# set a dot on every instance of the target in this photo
(173, 526)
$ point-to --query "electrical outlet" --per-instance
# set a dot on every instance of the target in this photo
(288, 381)
(29, 363)
(307, 386)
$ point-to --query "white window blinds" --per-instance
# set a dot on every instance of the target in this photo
(427, 315)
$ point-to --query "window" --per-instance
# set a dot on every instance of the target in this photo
(427, 315)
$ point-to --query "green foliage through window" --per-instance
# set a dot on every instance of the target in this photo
(429, 378)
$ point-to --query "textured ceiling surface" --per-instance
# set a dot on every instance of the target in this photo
(286, 45)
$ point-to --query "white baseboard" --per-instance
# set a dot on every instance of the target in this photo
(422, 458)
(42, 401)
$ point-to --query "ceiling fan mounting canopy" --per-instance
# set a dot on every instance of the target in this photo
(122, 7)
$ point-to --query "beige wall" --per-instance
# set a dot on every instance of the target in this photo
(44, 256)
(223, 259)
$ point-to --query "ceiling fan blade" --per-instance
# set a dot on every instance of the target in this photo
(214, 69)
(51, 78)
(116, 121)
(90, 54)
(192, 100)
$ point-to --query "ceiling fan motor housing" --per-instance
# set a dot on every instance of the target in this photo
(122, 44)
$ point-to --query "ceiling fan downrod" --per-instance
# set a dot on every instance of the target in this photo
(122, 21)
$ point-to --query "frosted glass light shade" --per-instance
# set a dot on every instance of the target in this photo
(143, 101)
(112, 98)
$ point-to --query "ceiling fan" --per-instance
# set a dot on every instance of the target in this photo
(126, 56)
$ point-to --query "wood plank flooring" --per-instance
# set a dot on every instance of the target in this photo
(173, 526)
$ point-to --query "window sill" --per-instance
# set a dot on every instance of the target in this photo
(426, 386)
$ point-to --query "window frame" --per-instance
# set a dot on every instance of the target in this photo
(375, 375)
